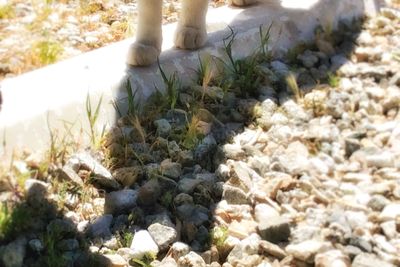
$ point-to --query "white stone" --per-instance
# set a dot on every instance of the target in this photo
(390, 212)
(305, 251)
(143, 244)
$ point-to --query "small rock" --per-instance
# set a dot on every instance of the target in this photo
(13, 254)
(390, 212)
(246, 252)
(295, 111)
(179, 249)
(242, 176)
(389, 229)
(194, 214)
(100, 227)
(171, 169)
(382, 160)
(118, 202)
(295, 158)
(163, 127)
(111, 243)
(143, 244)
(233, 151)
(325, 46)
(352, 251)
(308, 59)
(272, 249)
(361, 243)
(381, 242)
(191, 259)
(149, 193)
(204, 150)
(128, 176)
(306, 251)
(378, 202)
(280, 68)
(210, 255)
(185, 158)
(260, 164)
(356, 219)
(183, 198)
(275, 229)
(332, 258)
(223, 172)
(160, 218)
(365, 38)
(162, 235)
(126, 253)
(356, 177)
(177, 117)
(100, 174)
(369, 260)
(351, 145)
(187, 185)
(82, 226)
(243, 228)
(115, 260)
(36, 245)
(66, 173)
(234, 195)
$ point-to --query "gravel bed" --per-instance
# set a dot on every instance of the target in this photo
(300, 167)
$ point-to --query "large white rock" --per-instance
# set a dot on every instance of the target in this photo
(143, 244)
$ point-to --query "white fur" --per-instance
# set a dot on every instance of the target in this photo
(190, 34)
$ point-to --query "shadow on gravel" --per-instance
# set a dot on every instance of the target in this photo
(36, 233)
(174, 149)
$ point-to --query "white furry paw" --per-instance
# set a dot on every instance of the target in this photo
(142, 55)
(190, 37)
(241, 2)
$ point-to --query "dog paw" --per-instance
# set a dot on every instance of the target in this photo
(190, 37)
(241, 2)
(142, 55)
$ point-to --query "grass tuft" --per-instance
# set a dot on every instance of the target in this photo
(244, 72)
(333, 80)
(46, 52)
(172, 86)
(294, 87)
(218, 236)
(7, 11)
(144, 262)
(192, 137)
(93, 116)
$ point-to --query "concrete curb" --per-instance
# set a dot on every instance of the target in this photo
(54, 97)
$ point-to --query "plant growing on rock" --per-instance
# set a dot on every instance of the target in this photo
(333, 80)
(172, 86)
(144, 262)
(218, 236)
(244, 72)
(191, 137)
